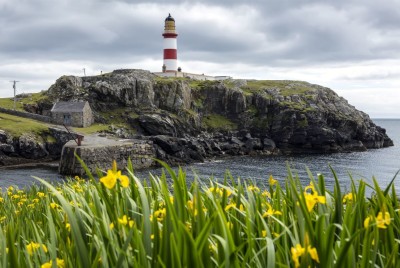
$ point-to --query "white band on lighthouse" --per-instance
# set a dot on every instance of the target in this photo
(170, 43)
(171, 65)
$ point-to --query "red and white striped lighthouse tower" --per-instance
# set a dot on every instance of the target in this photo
(170, 46)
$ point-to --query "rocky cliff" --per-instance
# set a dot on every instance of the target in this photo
(32, 147)
(192, 120)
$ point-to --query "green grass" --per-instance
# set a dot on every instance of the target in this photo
(31, 98)
(17, 126)
(8, 103)
(167, 222)
(217, 122)
(286, 87)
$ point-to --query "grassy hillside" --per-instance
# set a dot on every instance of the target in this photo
(32, 98)
(16, 125)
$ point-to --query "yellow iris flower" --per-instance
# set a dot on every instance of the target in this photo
(298, 251)
(270, 211)
(113, 175)
(49, 264)
(32, 247)
(272, 181)
(382, 220)
(313, 198)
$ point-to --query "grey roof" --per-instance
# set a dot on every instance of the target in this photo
(65, 106)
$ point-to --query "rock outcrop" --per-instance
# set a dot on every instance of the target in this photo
(32, 147)
(190, 120)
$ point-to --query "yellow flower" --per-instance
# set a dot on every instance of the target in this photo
(35, 200)
(123, 220)
(31, 206)
(220, 191)
(266, 194)
(314, 198)
(68, 227)
(111, 226)
(270, 211)
(54, 205)
(348, 198)
(272, 181)
(111, 178)
(231, 205)
(40, 194)
(192, 210)
(15, 196)
(32, 247)
(49, 264)
(382, 220)
(160, 214)
(253, 188)
(2, 218)
(297, 251)
(313, 253)
(264, 233)
(1, 199)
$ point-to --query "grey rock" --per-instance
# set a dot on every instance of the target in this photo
(269, 144)
(156, 124)
(6, 148)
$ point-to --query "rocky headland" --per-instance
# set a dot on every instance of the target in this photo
(189, 120)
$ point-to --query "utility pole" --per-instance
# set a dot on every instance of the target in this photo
(15, 92)
(84, 72)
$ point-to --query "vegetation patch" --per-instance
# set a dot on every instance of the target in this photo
(17, 126)
(118, 220)
(285, 87)
(30, 98)
(215, 122)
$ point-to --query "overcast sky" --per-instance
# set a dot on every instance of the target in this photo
(351, 46)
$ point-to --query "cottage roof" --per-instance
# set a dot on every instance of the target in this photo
(66, 106)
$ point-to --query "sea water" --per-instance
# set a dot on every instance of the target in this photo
(382, 164)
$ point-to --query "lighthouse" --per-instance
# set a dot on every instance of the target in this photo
(170, 46)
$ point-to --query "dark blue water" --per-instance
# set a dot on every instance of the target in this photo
(379, 163)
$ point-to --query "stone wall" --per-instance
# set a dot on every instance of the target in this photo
(87, 116)
(38, 117)
(140, 152)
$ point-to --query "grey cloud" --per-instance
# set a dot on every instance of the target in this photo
(303, 32)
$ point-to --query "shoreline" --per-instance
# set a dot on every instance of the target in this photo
(53, 164)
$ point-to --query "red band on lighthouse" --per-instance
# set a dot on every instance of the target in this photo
(170, 54)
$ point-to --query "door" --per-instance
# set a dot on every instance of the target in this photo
(67, 119)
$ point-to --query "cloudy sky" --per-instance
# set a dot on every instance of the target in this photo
(351, 46)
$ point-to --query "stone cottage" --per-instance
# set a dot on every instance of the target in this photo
(76, 114)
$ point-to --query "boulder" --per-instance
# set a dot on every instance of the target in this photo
(156, 124)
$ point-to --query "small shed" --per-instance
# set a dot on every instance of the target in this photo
(76, 114)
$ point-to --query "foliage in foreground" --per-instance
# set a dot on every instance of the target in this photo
(120, 221)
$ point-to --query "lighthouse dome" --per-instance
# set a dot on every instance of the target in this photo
(169, 18)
